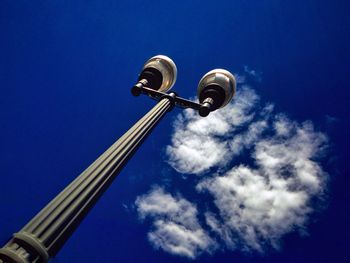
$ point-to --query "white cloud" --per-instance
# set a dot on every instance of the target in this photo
(198, 145)
(260, 205)
(258, 202)
(253, 73)
(175, 225)
(247, 139)
(291, 152)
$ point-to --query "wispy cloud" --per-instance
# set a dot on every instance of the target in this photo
(256, 75)
(175, 224)
(254, 202)
(199, 144)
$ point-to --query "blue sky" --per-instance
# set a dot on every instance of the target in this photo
(66, 69)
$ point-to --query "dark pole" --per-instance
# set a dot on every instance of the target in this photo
(47, 232)
(44, 235)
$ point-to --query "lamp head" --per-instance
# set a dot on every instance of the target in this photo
(160, 72)
(219, 85)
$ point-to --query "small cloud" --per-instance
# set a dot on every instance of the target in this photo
(240, 79)
(256, 75)
(197, 145)
(282, 126)
(331, 120)
(175, 225)
(125, 206)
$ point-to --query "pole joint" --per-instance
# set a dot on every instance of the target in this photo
(141, 88)
(33, 245)
(172, 99)
(23, 248)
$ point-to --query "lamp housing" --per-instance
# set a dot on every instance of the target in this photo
(160, 72)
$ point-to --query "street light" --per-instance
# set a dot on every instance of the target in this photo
(47, 232)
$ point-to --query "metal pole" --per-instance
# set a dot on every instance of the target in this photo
(46, 233)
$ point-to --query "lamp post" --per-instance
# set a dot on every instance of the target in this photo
(46, 233)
